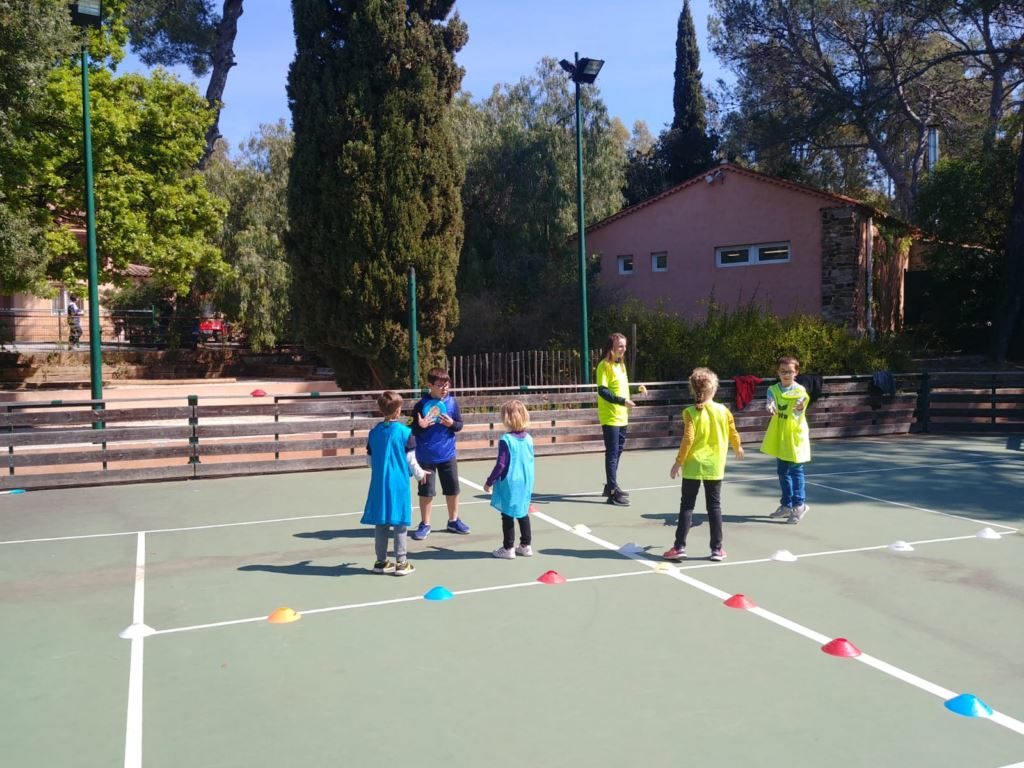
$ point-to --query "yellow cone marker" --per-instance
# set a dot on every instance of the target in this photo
(284, 615)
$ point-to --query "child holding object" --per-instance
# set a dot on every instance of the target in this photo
(435, 421)
(511, 481)
(391, 455)
(788, 439)
(708, 431)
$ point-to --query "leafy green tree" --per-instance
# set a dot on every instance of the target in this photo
(152, 208)
(375, 179)
(966, 204)
(255, 291)
(32, 36)
(519, 262)
(688, 148)
(861, 82)
(189, 32)
(646, 172)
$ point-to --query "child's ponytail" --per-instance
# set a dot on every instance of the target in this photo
(703, 385)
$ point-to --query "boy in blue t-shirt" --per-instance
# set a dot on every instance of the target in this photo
(435, 421)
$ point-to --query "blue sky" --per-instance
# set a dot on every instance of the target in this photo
(506, 40)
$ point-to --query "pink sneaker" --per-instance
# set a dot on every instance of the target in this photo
(718, 555)
(675, 554)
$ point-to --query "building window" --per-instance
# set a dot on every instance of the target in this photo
(625, 265)
(760, 253)
(659, 262)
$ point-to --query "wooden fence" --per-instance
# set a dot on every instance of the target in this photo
(972, 402)
(532, 368)
(88, 442)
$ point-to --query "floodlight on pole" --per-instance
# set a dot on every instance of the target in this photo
(582, 71)
(89, 13)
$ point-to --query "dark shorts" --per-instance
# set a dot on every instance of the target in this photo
(448, 471)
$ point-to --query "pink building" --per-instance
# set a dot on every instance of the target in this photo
(739, 236)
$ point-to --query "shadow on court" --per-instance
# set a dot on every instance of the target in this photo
(350, 533)
(303, 568)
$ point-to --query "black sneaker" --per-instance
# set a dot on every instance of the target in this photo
(610, 489)
(618, 499)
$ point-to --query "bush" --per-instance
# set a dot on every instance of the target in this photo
(747, 340)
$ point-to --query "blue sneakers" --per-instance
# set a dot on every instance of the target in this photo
(457, 526)
(421, 532)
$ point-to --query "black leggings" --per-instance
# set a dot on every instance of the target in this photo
(508, 530)
(713, 503)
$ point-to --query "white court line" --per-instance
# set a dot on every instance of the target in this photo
(195, 527)
(133, 725)
(911, 506)
(393, 601)
(1015, 765)
(810, 476)
(900, 674)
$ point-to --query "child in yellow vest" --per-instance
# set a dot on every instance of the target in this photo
(788, 439)
(708, 431)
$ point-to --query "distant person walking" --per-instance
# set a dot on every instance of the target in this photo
(613, 404)
(74, 321)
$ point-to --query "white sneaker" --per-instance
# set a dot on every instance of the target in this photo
(798, 513)
(524, 550)
(782, 511)
(504, 554)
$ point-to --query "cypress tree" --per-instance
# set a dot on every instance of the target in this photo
(688, 148)
(375, 181)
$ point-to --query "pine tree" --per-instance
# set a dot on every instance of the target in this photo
(375, 181)
(687, 146)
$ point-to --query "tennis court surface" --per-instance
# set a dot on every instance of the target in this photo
(629, 661)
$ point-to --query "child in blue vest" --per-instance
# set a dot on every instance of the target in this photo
(788, 439)
(391, 455)
(435, 422)
(512, 482)
(708, 431)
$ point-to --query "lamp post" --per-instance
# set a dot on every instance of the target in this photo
(89, 13)
(582, 71)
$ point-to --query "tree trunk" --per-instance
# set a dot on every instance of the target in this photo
(1012, 283)
(223, 60)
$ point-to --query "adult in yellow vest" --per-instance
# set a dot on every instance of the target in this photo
(708, 431)
(788, 439)
(613, 404)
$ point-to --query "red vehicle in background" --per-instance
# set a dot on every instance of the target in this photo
(213, 329)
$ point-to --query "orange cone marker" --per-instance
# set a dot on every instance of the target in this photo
(284, 615)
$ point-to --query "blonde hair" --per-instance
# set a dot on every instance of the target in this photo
(390, 404)
(515, 416)
(790, 360)
(703, 385)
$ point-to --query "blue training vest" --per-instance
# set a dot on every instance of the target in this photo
(511, 495)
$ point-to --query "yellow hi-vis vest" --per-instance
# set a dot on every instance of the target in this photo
(788, 437)
(613, 376)
(706, 458)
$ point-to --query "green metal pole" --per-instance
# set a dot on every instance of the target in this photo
(95, 358)
(414, 358)
(584, 341)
